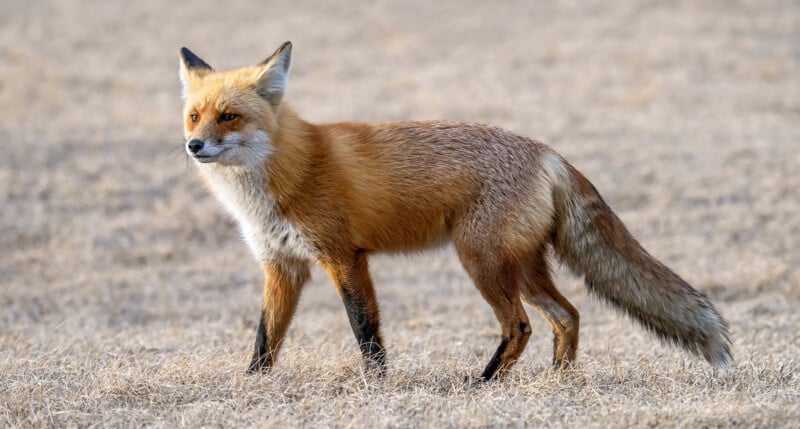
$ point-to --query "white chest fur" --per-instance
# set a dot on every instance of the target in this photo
(244, 194)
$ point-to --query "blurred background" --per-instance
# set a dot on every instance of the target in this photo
(684, 114)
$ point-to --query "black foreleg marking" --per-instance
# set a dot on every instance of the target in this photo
(365, 327)
(262, 358)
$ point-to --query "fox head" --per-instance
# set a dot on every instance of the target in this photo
(230, 116)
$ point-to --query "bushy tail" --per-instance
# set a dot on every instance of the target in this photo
(593, 242)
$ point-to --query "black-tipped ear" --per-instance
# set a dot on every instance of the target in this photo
(275, 74)
(284, 50)
(192, 61)
(191, 67)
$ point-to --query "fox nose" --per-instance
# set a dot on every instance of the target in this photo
(195, 145)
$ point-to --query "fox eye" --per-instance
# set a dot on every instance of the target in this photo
(194, 117)
(225, 117)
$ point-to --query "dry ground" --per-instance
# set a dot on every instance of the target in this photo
(127, 299)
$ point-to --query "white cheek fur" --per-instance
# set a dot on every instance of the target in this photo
(248, 152)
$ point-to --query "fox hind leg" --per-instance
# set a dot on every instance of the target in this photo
(539, 291)
(498, 280)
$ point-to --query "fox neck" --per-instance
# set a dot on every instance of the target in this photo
(297, 144)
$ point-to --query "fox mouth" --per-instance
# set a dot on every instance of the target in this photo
(206, 158)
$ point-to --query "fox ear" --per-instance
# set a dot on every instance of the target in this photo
(275, 74)
(191, 66)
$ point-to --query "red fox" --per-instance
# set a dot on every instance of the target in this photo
(334, 194)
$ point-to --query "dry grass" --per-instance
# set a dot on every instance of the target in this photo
(126, 299)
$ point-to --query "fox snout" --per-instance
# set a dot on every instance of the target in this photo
(205, 152)
(194, 146)
(236, 148)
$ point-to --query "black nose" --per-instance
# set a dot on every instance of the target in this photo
(195, 145)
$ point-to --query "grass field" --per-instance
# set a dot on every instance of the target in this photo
(126, 298)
